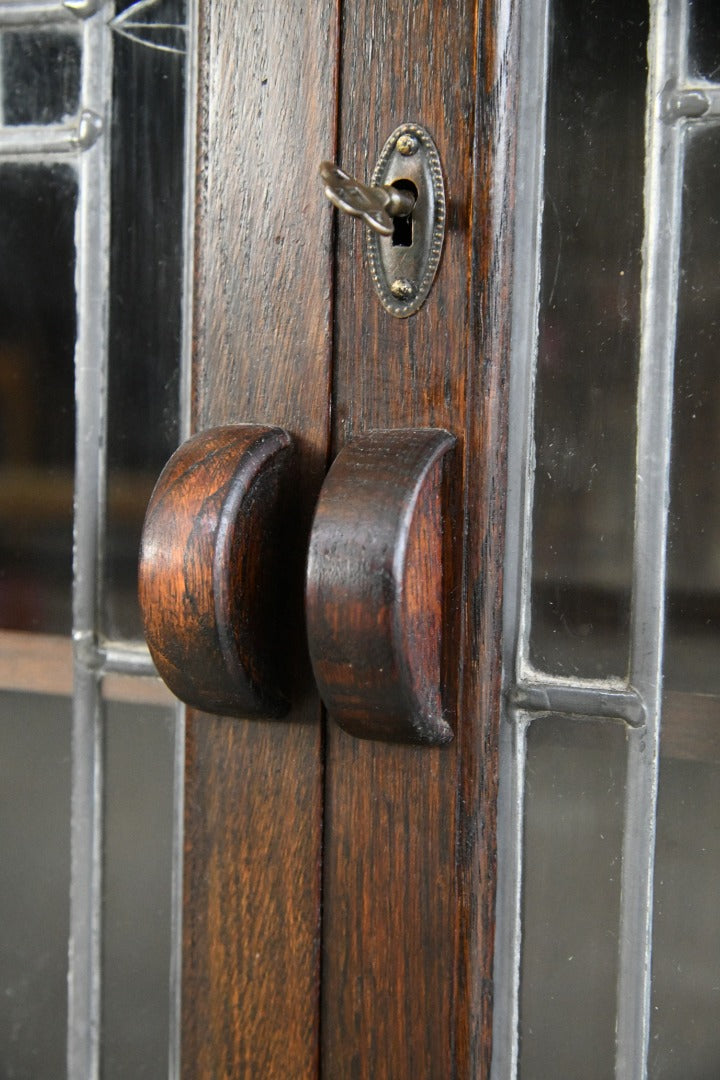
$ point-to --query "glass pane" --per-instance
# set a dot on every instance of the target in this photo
(704, 50)
(685, 1034)
(139, 757)
(34, 883)
(40, 76)
(37, 412)
(693, 616)
(146, 291)
(685, 1039)
(574, 810)
(588, 338)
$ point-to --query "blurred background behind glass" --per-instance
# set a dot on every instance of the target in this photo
(41, 72)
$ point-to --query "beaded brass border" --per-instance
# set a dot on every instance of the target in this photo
(429, 235)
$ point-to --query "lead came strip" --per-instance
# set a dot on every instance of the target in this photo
(663, 186)
(513, 728)
(48, 141)
(34, 12)
(92, 245)
(640, 700)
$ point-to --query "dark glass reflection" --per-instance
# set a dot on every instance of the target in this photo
(692, 641)
(588, 338)
(145, 292)
(34, 884)
(37, 412)
(704, 39)
(685, 1035)
(685, 1040)
(40, 76)
(139, 757)
(574, 810)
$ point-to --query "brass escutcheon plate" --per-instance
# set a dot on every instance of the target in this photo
(403, 265)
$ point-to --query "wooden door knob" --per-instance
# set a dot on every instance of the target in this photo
(211, 583)
(378, 592)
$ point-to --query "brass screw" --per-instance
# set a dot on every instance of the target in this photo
(407, 145)
(402, 289)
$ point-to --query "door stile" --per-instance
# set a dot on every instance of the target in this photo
(262, 354)
(484, 500)
(410, 833)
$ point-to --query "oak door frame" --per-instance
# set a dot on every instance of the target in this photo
(287, 330)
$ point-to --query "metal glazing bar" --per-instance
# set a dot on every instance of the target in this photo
(124, 658)
(176, 897)
(593, 701)
(178, 839)
(188, 241)
(508, 902)
(49, 140)
(525, 309)
(700, 102)
(113, 657)
(92, 242)
(663, 192)
(525, 300)
(85, 883)
(32, 12)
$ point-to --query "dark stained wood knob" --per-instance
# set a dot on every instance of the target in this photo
(378, 588)
(211, 583)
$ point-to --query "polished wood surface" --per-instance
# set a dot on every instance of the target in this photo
(378, 587)
(408, 846)
(389, 872)
(211, 582)
(490, 290)
(262, 347)
(409, 878)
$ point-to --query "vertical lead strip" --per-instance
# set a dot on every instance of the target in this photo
(513, 729)
(91, 275)
(86, 830)
(2, 82)
(663, 192)
(176, 896)
(660, 268)
(506, 976)
(185, 403)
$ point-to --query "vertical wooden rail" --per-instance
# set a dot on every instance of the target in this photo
(389, 872)
(262, 341)
(493, 197)
(410, 833)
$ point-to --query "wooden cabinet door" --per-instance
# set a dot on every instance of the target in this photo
(339, 893)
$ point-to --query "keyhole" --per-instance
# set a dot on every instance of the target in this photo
(402, 226)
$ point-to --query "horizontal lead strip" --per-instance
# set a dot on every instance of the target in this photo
(34, 12)
(591, 701)
(701, 102)
(126, 658)
(112, 657)
(30, 140)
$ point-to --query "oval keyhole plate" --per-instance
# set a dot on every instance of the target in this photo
(404, 269)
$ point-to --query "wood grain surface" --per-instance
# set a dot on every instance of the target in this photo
(409, 879)
(378, 585)
(409, 841)
(492, 200)
(211, 578)
(262, 348)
